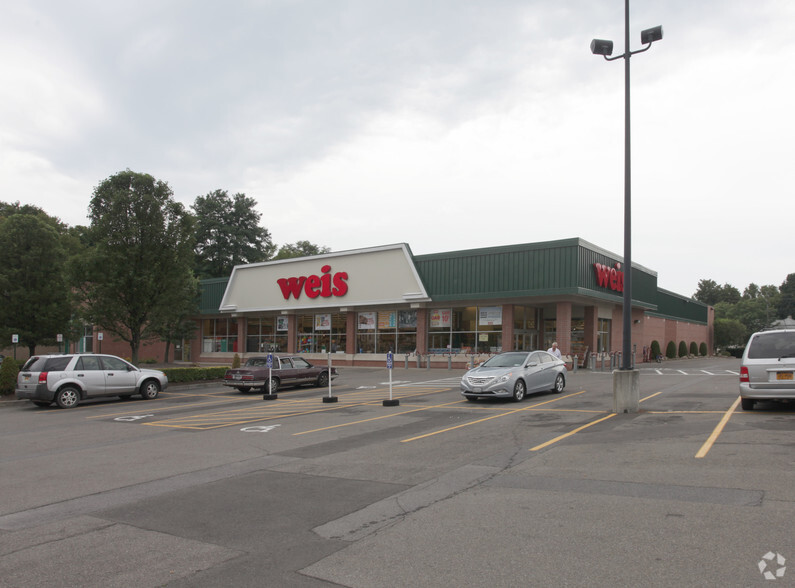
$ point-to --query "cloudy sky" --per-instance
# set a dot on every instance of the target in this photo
(445, 124)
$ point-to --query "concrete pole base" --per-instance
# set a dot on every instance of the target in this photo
(329, 399)
(391, 402)
(626, 391)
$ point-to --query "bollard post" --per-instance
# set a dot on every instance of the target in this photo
(449, 362)
(574, 365)
(428, 361)
(419, 359)
(407, 361)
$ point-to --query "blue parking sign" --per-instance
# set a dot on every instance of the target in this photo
(269, 363)
(389, 360)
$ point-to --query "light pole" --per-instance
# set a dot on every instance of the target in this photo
(622, 384)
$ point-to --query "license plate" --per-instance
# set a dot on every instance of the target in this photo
(477, 390)
(25, 378)
(237, 376)
(784, 376)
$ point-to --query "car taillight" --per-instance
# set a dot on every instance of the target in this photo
(43, 377)
(744, 374)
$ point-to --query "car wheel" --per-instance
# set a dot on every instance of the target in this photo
(322, 380)
(150, 390)
(560, 383)
(747, 403)
(42, 403)
(274, 386)
(244, 389)
(519, 390)
(68, 397)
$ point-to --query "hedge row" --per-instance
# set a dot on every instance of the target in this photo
(193, 374)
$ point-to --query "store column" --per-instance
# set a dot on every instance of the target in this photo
(507, 327)
(242, 325)
(563, 327)
(292, 333)
(422, 331)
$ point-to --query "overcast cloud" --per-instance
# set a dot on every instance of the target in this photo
(449, 124)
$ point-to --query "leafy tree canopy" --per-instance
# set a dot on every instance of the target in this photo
(300, 249)
(228, 233)
(786, 302)
(138, 264)
(34, 298)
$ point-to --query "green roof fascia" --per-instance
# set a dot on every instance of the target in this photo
(671, 305)
(212, 292)
(500, 272)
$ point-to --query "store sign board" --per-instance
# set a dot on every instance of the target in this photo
(609, 277)
(362, 277)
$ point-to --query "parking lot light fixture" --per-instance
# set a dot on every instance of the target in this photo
(605, 49)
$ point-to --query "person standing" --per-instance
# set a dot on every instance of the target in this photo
(554, 350)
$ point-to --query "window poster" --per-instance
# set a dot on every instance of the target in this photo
(322, 322)
(407, 319)
(490, 315)
(386, 320)
(281, 323)
(366, 321)
(441, 317)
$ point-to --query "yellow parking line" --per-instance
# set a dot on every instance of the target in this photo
(570, 433)
(650, 396)
(496, 416)
(718, 430)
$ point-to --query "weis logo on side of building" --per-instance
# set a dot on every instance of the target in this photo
(609, 277)
(325, 286)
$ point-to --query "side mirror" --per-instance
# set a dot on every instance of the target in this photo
(532, 364)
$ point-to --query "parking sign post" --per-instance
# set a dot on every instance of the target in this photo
(329, 398)
(389, 365)
(15, 340)
(269, 395)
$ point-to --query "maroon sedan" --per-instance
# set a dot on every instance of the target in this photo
(286, 371)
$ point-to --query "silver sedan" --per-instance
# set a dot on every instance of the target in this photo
(513, 374)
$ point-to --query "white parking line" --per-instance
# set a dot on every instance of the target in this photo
(708, 373)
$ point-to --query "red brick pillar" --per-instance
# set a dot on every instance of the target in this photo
(563, 327)
(422, 331)
(507, 327)
(617, 330)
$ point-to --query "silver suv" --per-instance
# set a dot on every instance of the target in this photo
(767, 371)
(68, 379)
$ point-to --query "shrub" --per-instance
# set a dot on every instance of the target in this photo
(192, 374)
(682, 349)
(236, 361)
(670, 350)
(8, 375)
(702, 349)
(693, 348)
(655, 349)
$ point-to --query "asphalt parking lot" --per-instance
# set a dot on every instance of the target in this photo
(206, 487)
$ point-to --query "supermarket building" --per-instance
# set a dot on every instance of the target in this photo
(360, 304)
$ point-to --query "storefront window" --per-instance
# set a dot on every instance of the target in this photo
(603, 335)
(381, 332)
(578, 337)
(262, 335)
(550, 332)
(524, 328)
(219, 335)
(465, 330)
(321, 333)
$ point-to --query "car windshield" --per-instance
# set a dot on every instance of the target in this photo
(506, 360)
(772, 345)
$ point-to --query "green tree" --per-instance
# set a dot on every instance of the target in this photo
(34, 298)
(300, 249)
(228, 233)
(729, 332)
(139, 259)
(786, 302)
(9, 369)
(709, 292)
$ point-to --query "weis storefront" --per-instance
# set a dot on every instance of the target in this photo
(360, 304)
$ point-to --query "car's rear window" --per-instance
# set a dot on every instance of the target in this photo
(772, 345)
(34, 364)
(57, 364)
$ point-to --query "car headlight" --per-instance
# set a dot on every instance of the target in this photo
(504, 378)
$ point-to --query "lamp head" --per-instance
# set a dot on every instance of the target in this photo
(651, 35)
(602, 47)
